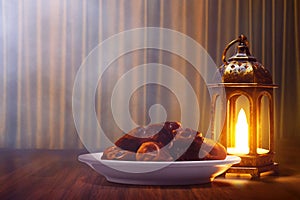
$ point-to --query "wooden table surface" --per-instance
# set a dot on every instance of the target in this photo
(56, 174)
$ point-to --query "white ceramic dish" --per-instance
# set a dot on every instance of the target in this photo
(167, 173)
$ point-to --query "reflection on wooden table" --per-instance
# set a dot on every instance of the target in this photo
(56, 174)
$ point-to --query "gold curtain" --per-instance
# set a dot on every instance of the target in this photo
(43, 43)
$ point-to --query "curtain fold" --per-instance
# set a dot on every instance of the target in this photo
(43, 44)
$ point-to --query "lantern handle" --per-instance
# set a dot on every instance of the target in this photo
(241, 39)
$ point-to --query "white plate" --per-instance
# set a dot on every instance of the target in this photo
(158, 173)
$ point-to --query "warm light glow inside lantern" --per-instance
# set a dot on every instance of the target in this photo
(241, 139)
(241, 135)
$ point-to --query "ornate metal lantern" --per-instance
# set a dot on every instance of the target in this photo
(248, 130)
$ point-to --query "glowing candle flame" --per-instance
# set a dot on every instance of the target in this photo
(241, 134)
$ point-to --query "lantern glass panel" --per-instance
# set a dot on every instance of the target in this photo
(219, 115)
(263, 133)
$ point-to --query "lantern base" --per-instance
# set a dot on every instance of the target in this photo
(257, 160)
(255, 172)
